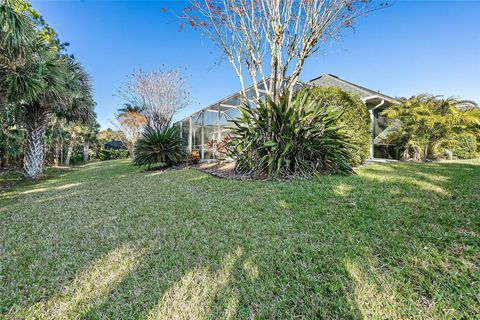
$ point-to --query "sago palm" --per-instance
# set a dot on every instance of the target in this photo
(159, 147)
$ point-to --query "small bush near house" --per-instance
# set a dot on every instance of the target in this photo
(159, 147)
(299, 138)
(194, 157)
(112, 154)
(355, 118)
(461, 146)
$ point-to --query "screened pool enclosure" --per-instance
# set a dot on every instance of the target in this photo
(215, 121)
(211, 123)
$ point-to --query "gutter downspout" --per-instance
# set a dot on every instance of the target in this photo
(372, 128)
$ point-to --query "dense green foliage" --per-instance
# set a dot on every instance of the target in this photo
(355, 119)
(42, 88)
(108, 241)
(427, 125)
(12, 138)
(462, 146)
(112, 154)
(159, 147)
(298, 138)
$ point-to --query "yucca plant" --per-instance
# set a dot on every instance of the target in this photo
(159, 147)
(297, 138)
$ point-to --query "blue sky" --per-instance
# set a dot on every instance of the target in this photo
(412, 47)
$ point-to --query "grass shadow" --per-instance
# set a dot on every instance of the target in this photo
(395, 241)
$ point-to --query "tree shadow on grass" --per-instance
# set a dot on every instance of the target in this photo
(14, 179)
(396, 241)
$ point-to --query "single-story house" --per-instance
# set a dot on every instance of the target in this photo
(213, 122)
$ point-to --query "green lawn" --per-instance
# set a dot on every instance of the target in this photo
(112, 242)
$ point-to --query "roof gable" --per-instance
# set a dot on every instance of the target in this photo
(329, 80)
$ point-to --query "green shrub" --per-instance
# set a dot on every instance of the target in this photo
(112, 154)
(427, 123)
(355, 117)
(462, 146)
(159, 146)
(298, 138)
(77, 158)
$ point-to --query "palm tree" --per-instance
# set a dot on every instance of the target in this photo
(65, 92)
(425, 121)
(41, 81)
(459, 113)
(57, 137)
(131, 125)
(72, 140)
(89, 138)
(78, 112)
(128, 107)
(131, 122)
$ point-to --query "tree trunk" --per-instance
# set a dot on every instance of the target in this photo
(56, 152)
(71, 144)
(36, 125)
(56, 145)
(61, 150)
(131, 150)
(86, 147)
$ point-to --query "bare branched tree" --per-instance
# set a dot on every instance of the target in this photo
(271, 39)
(159, 94)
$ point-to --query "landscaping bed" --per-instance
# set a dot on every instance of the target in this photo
(220, 169)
